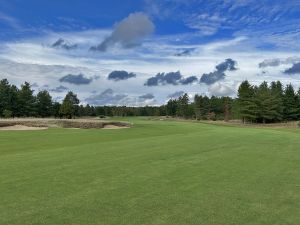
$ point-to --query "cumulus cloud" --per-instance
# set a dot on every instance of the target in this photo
(61, 43)
(228, 65)
(219, 89)
(120, 75)
(188, 80)
(107, 97)
(277, 62)
(176, 94)
(212, 77)
(128, 33)
(295, 69)
(59, 89)
(79, 79)
(173, 78)
(219, 73)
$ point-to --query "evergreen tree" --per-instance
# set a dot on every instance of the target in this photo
(226, 108)
(4, 98)
(290, 104)
(171, 107)
(183, 109)
(69, 107)
(246, 102)
(202, 107)
(44, 104)
(56, 109)
(26, 101)
(8, 99)
(266, 104)
(277, 93)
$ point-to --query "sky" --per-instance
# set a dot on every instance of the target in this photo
(144, 52)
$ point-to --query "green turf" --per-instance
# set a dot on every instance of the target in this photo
(159, 172)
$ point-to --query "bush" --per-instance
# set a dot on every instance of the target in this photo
(7, 113)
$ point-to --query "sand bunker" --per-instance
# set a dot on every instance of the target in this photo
(111, 127)
(41, 124)
(21, 127)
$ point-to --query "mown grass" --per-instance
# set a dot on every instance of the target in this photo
(159, 172)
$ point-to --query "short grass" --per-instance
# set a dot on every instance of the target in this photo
(159, 172)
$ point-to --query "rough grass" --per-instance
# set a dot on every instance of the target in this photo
(158, 172)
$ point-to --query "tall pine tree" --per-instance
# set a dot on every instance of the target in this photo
(246, 101)
(290, 104)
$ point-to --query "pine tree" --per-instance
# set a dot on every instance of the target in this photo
(183, 108)
(26, 101)
(69, 107)
(266, 104)
(277, 92)
(246, 101)
(44, 104)
(226, 108)
(202, 107)
(290, 103)
(171, 107)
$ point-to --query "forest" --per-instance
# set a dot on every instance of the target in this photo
(265, 103)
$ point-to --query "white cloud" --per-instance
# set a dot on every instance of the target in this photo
(35, 61)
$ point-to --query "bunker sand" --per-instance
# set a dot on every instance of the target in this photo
(22, 127)
(41, 124)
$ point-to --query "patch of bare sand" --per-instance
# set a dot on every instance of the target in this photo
(112, 127)
(22, 127)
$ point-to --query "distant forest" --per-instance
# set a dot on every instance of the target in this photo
(265, 103)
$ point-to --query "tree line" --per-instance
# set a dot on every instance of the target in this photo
(255, 104)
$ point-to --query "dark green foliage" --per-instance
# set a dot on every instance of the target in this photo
(7, 113)
(256, 104)
(69, 108)
(8, 98)
(266, 104)
(290, 102)
(246, 102)
(26, 101)
(171, 107)
(202, 107)
(277, 93)
(44, 104)
(183, 106)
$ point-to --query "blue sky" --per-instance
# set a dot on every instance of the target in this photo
(76, 45)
